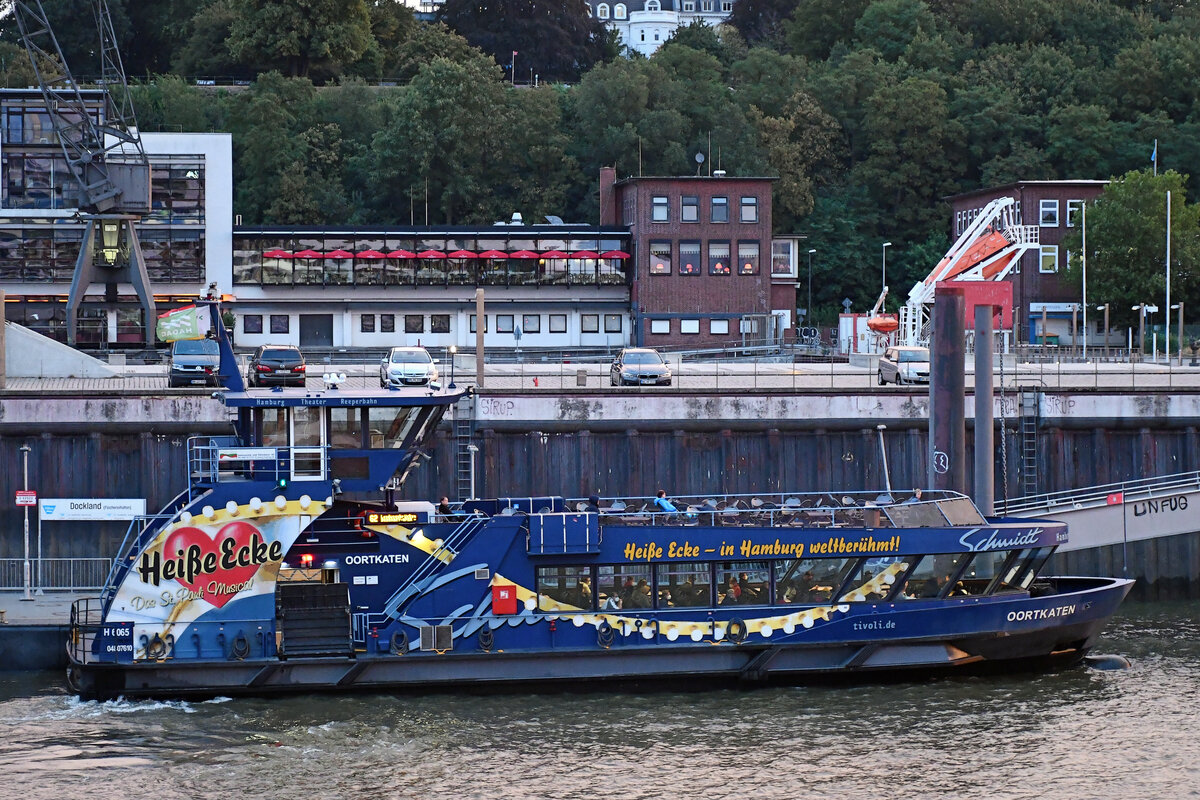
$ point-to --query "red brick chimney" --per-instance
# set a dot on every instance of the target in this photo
(608, 205)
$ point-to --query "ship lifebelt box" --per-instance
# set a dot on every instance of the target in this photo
(504, 599)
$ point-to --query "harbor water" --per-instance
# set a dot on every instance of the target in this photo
(1080, 733)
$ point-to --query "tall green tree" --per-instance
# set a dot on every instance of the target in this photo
(317, 37)
(557, 40)
(1127, 245)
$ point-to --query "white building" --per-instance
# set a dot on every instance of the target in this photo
(644, 25)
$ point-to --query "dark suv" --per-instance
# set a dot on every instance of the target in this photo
(194, 362)
(276, 365)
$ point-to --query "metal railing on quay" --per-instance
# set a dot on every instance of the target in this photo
(55, 574)
(1100, 495)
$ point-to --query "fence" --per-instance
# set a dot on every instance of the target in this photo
(55, 574)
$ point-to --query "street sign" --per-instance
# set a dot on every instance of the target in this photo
(26, 498)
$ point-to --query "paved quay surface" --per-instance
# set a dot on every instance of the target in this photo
(51, 608)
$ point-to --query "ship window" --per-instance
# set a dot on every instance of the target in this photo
(988, 569)
(684, 584)
(390, 425)
(626, 587)
(565, 588)
(1023, 569)
(274, 427)
(345, 427)
(930, 575)
(874, 580)
(743, 583)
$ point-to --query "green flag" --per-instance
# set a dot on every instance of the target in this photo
(188, 322)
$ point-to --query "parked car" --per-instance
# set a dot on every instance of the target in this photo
(194, 362)
(639, 366)
(407, 366)
(276, 365)
(904, 364)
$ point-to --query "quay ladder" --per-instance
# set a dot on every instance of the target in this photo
(464, 427)
(1029, 429)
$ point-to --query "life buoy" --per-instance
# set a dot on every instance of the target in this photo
(399, 643)
(240, 647)
(487, 639)
(157, 648)
(736, 630)
(605, 635)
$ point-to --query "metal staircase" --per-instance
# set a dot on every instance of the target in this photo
(1029, 456)
(464, 427)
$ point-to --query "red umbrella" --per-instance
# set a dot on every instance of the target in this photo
(614, 254)
(401, 254)
(370, 254)
(431, 254)
(524, 254)
(554, 254)
(307, 254)
(339, 254)
(462, 254)
(277, 254)
(493, 254)
(585, 254)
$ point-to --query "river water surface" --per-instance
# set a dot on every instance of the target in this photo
(1078, 734)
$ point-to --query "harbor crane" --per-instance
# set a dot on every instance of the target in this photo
(104, 153)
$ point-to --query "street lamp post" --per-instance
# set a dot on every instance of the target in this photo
(1178, 305)
(472, 449)
(453, 358)
(25, 450)
(1104, 308)
(808, 308)
(886, 245)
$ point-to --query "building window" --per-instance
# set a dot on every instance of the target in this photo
(612, 323)
(689, 6)
(660, 257)
(366, 323)
(727, 6)
(589, 323)
(660, 209)
(720, 209)
(652, 5)
(718, 258)
(387, 323)
(689, 208)
(1049, 214)
(252, 323)
(558, 323)
(414, 323)
(1049, 258)
(485, 323)
(689, 326)
(749, 209)
(706, 6)
(531, 323)
(782, 263)
(602, 11)
(504, 323)
(660, 326)
(280, 323)
(1074, 209)
(747, 258)
(619, 11)
(439, 323)
(689, 257)
(718, 327)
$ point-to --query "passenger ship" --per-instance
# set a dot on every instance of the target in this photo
(282, 567)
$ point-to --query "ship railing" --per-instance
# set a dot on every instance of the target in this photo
(142, 529)
(87, 616)
(218, 459)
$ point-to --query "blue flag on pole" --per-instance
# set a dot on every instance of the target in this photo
(1154, 155)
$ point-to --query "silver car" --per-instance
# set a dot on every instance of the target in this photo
(903, 364)
(639, 366)
(407, 366)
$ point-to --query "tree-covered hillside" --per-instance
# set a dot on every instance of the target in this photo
(869, 113)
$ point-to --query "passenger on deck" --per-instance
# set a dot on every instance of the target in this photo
(444, 509)
(593, 505)
(626, 591)
(664, 504)
(749, 594)
(609, 602)
(916, 496)
(585, 593)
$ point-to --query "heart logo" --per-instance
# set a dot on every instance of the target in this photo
(239, 532)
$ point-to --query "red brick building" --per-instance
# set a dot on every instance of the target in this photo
(702, 259)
